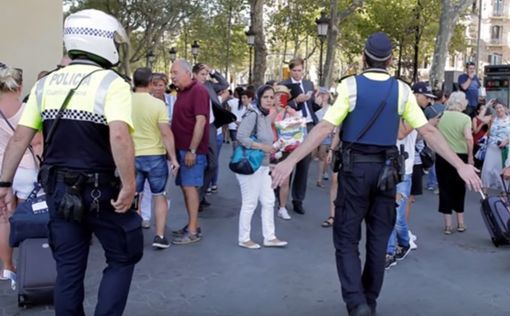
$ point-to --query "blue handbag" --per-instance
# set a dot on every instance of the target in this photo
(246, 160)
(30, 219)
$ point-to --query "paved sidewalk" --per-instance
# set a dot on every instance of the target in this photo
(461, 274)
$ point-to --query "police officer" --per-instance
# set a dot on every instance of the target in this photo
(368, 175)
(87, 145)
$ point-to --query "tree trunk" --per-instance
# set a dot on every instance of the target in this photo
(257, 22)
(417, 37)
(329, 62)
(450, 13)
(336, 20)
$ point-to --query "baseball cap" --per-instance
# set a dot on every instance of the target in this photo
(378, 46)
(423, 88)
(434, 110)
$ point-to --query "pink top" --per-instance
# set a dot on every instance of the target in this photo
(6, 132)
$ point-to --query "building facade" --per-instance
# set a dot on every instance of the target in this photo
(31, 36)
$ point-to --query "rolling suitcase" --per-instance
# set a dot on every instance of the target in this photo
(37, 273)
(496, 215)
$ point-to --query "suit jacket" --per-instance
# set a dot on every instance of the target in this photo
(312, 106)
(221, 115)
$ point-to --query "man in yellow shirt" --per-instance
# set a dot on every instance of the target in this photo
(369, 108)
(154, 143)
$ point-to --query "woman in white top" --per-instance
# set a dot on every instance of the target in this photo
(11, 108)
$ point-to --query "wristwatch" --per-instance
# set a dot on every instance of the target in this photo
(193, 151)
(5, 184)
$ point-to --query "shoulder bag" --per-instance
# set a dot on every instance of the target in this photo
(247, 160)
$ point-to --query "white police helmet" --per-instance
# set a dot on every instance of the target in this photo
(95, 33)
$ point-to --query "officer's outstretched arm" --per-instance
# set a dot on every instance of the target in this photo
(312, 141)
(124, 156)
(437, 142)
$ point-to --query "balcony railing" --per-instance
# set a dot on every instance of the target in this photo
(496, 41)
(498, 11)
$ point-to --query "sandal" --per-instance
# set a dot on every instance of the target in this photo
(329, 222)
(461, 228)
(448, 230)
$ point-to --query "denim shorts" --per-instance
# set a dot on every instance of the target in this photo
(194, 176)
(154, 169)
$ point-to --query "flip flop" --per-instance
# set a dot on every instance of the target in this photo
(329, 222)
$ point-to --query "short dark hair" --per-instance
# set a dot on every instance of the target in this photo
(296, 62)
(197, 67)
(248, 93)
(371, 63)
(142, 77)
(470, 63)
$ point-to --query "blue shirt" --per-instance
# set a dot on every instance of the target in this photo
(472, 90)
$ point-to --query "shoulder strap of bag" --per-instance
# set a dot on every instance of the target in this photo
(36, 158)
(254, 131)
(60, 112)
(376, 114)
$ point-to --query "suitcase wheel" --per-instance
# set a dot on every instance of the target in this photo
(21, 301)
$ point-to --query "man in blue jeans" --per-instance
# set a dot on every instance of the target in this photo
(399, 244)
(154, 143)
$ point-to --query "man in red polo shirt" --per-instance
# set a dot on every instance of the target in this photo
(189, 121)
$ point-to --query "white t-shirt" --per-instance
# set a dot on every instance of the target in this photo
(409, 143)
(233, 103)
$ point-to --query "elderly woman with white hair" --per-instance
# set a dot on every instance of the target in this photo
(497, 149)
(455, 127)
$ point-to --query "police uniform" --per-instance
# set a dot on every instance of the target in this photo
(360, 196)
(79, 160)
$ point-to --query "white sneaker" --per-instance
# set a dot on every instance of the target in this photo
(411, 235)
(412, 244)
(275, 243)
(249, 245)
(283, 213)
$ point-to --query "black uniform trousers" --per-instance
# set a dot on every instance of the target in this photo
(121, 237)
(359, 199)
(301, 175)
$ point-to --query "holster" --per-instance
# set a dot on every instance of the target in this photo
(337, 160)
(390, 175)
(71, 206)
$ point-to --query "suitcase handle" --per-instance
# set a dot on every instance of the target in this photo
(482, 194)
(504, 184)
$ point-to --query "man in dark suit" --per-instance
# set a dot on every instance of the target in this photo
(304, 104)
(218, 118)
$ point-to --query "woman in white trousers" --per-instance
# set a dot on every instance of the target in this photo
(257, 186)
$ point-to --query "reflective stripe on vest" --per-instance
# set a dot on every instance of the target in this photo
(350, 84)
(99, 100)
(39, 89)
(102, 90)
(403, 96)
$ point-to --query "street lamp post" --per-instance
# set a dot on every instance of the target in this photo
(250, 39)
(194, 51)
(322, 30)
(173, 54)
(150, 58)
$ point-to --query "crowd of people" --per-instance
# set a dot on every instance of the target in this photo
(179, 129)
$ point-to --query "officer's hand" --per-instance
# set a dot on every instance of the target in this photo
(7, 201)
(280, 172)
(468, 173)
(190, 159)
(329, 158)
(506, 173)
(124, 200)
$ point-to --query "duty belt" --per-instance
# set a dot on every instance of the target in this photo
(70, 177)
(367, 158)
